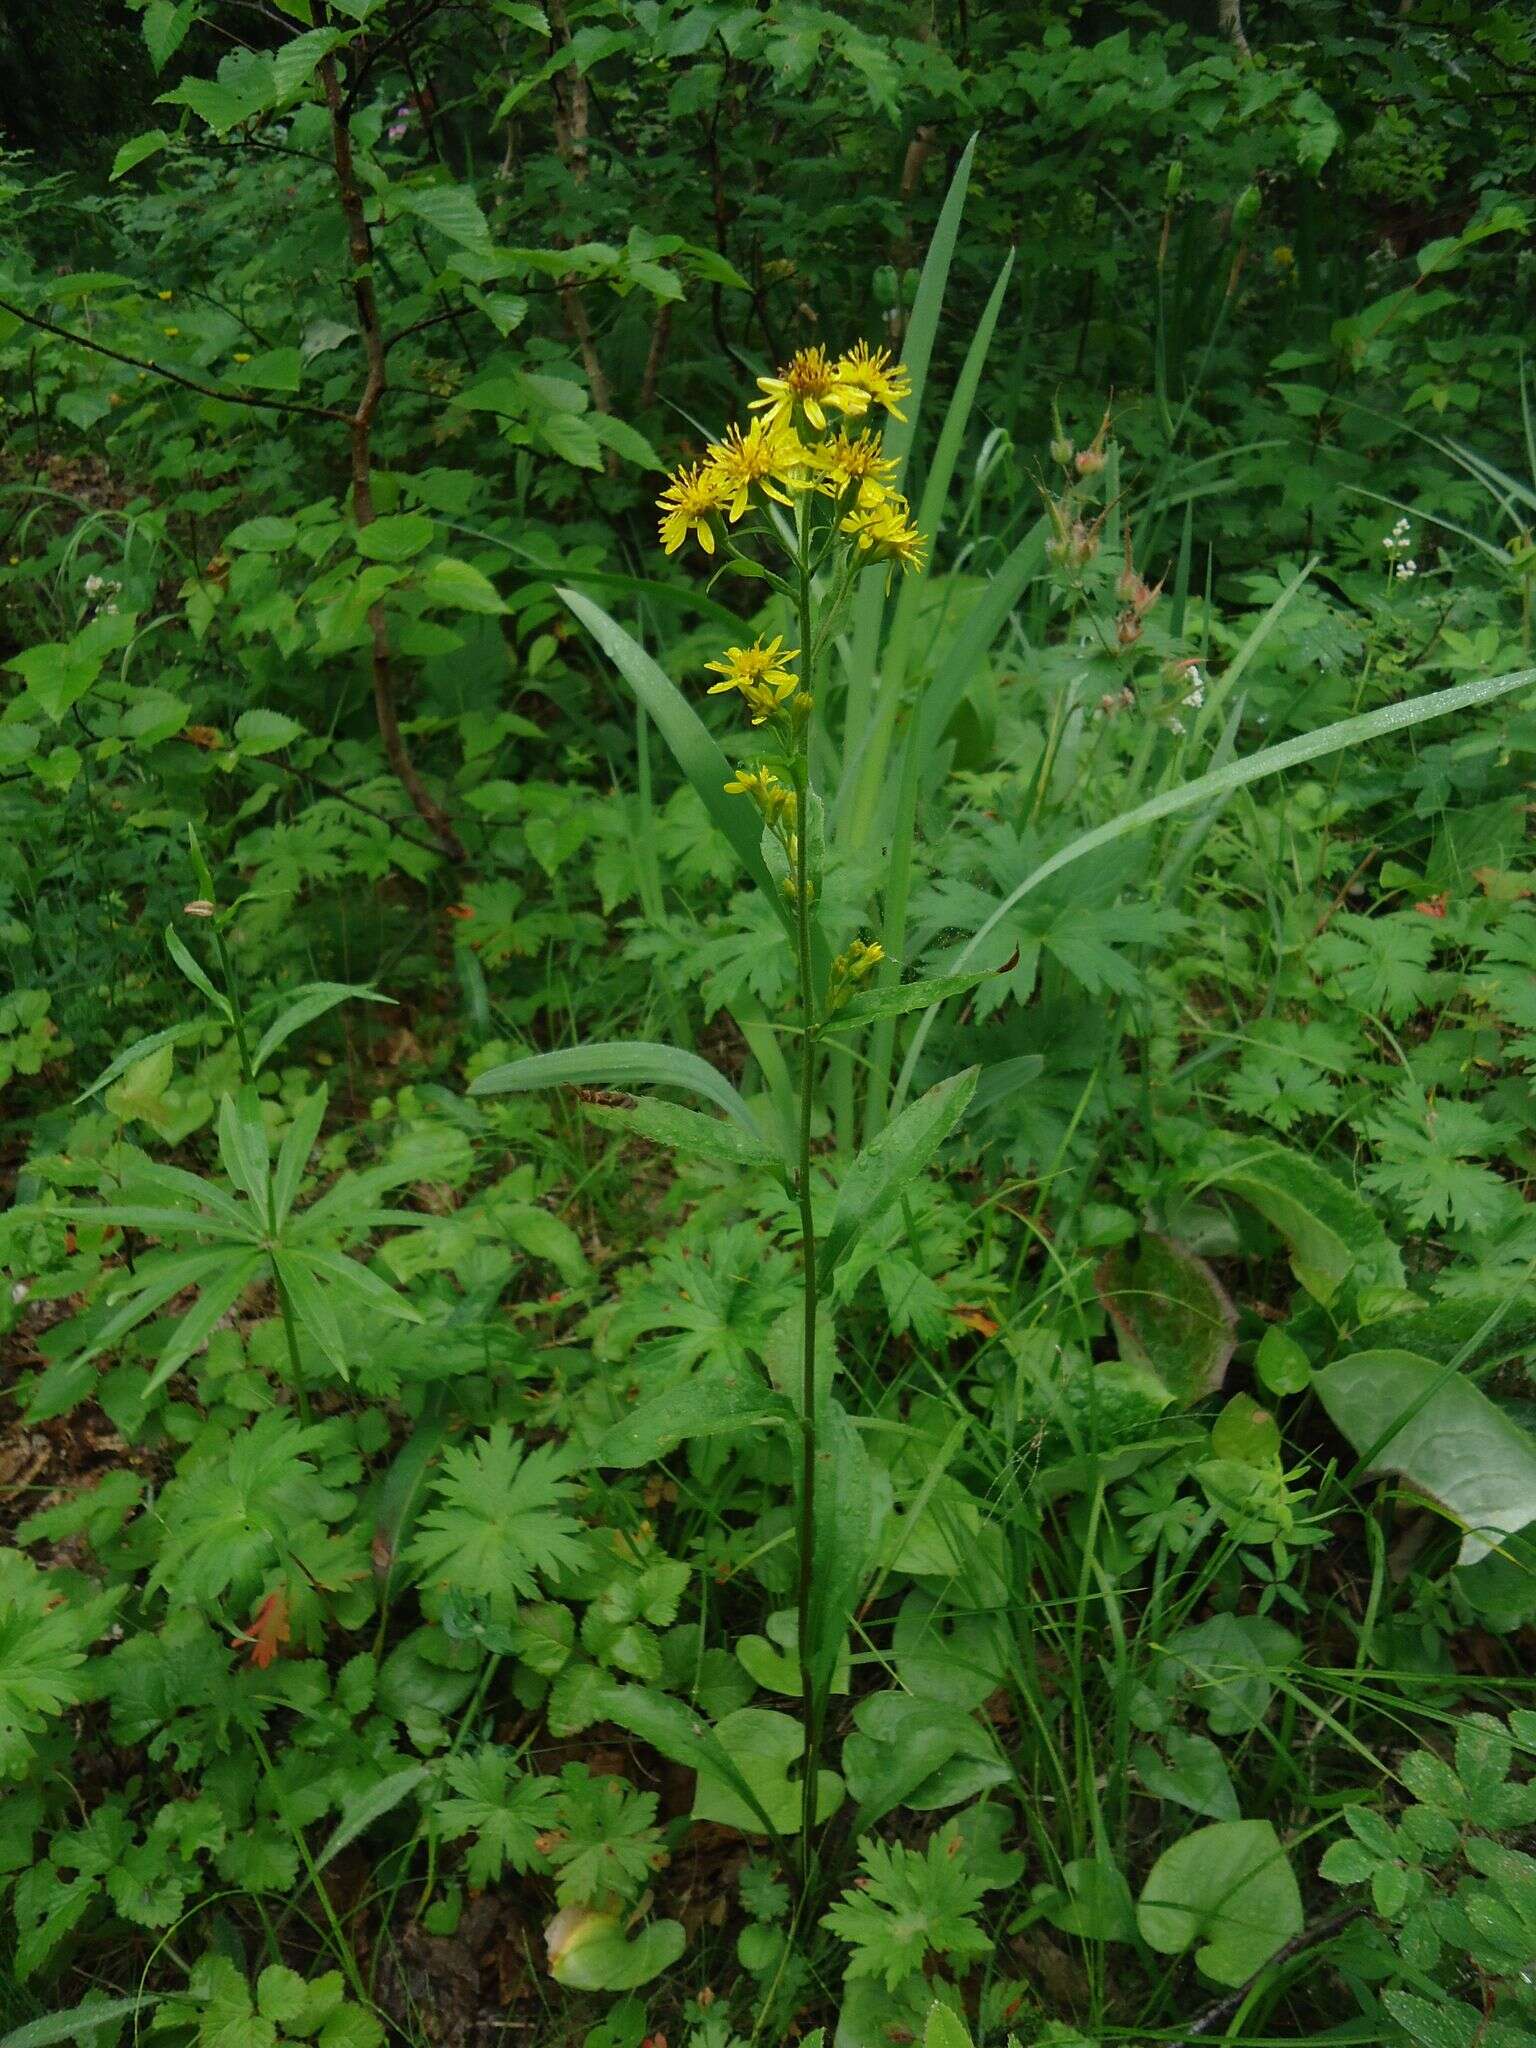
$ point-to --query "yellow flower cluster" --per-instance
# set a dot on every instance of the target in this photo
(758, 671)
(857, 964)
(772, 797)
(800, 442)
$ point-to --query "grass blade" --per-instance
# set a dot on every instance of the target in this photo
(1221, 782)
(693, 747)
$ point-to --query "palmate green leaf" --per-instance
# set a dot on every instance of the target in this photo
(499, 1520)
(1221, 783)
(43, 1641)
(505, 1808)
(1442, 1435)
(880, 1172)
(910, 1905)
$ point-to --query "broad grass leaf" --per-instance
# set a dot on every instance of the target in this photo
(1223, 782)
(853, 1498)
(764, 1746)
(360, 1812)
(1170, 1313)
(78, 2027)
(1442, 1435)
(684, 1737)
(304, 1005)
(614, 1063)
(1334, 1235)
(897, 1000)
(685, 733)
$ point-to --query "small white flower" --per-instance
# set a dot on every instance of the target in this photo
(1196, 697)
(1175, 726)
(1405, 571)
(93, 584)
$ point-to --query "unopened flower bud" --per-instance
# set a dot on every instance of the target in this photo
(1128, 629)
(1173, 181)
(1062, 451)
(1089, 461)
(573, 1929)
(1084, 544)
(1245, 211)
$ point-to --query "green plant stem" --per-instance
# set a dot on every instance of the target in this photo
(291, 1334)
(809, 1705)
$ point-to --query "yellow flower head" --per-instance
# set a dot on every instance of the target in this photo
(692, 499)
(241, 355)
(810, 382)
(883, 532)
(759, 673)
(773, 799)
(857, 964)
(766, 457)
(872, 372)
(165, 295)
(844, 460)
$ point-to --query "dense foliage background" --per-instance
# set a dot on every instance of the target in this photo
(394, 1641)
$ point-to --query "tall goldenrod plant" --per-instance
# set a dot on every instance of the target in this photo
(802, 495)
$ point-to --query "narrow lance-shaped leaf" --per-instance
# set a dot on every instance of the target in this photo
(614, 1063)
(897, 1000)
(692, 745)
(173, 1034)
(220, 1293)
(685, 1131)
(243, 1148)
(894, 1159)
(305, 1005)
(720, 1399)
(195, 974)
(298, 1143)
